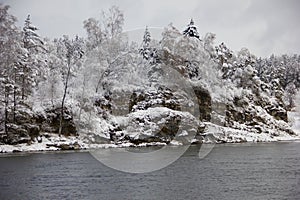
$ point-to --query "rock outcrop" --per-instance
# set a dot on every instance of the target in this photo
(28, 125)
(159, 124)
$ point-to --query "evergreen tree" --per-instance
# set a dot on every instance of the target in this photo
(31, 39)
(34, 67)
(191, 30)
(148, 50)
(145, 50)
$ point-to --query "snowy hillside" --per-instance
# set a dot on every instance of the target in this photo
(294, 115)
(106, 91)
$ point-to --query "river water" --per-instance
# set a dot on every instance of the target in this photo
(230, 171)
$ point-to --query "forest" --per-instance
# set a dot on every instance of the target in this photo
(105, 89)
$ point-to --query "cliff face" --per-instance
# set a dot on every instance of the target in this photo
(29, 125)
(158, 115)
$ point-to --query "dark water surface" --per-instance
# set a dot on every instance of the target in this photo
(237, 171)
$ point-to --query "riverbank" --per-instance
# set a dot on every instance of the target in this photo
(215, 134)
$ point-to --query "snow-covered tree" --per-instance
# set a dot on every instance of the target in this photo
(285, 69)
(113, 22)
(49, 90)
(148, 48)
(11, 58)
(145, 49)
(191, 30)
(95, 34)
(95, 63)
(244, 68)
(239, 68)
(73, 53)
(34, 68)
(31, 39)
(224, 54)
(208, 42)
(187, 55)
(107, 42)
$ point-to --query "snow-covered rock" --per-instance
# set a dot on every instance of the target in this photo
(161, 124)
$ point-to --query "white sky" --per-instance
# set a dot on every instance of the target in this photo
(263, 26)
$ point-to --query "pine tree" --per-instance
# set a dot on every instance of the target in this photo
(191, 30)
(148, 50)
(34, 67)
(145, 50)
(224, 57)
(31, 39)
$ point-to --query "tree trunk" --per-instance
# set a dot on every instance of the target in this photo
(23, 86)
(15, 101)
(6, 96)
(23, 82)
(15, 105)
(52, 94)
(82, 94)
(64, 97)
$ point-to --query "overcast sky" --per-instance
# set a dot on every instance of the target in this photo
(263, 26)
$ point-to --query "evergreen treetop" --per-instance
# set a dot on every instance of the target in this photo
(191, 30)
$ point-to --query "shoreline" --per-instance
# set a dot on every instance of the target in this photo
(17, 149)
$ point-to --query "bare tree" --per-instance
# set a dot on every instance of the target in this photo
(74, 52)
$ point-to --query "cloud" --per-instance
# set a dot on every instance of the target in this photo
(265, 27)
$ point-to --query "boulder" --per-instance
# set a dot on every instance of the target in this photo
(17, 134)
(66, 146)
(159, 124)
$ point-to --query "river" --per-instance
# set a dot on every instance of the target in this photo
(230, 171)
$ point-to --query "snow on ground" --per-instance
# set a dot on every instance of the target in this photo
(50, 142)
(220, 134)
(44, 146)
(213, 134)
